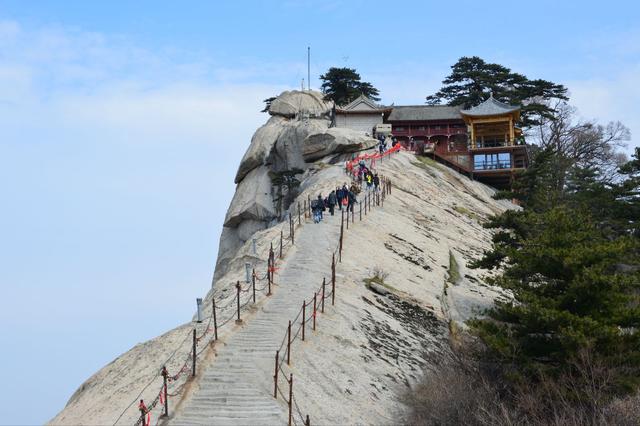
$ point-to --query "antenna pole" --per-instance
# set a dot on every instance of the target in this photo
(308, 67)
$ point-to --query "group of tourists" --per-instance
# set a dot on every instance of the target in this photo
(343, 197)
(365, 176)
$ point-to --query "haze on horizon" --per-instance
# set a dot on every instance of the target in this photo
(123, 125)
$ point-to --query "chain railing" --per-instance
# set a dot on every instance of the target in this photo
(301, 320)
(173, 385)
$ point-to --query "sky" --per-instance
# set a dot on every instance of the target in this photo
(122, 125)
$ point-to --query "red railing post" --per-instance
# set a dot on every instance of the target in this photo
(215, 320)
(143, 411)
(269, 269)
(275, 376)
(289, 344)
(304, 320)
(315, 308)
(194, 355)
(290, 398)
(324, 284)
(238, 321)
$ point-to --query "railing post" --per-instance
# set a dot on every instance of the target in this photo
(352, 215)
(299, 220)
(307, 422)
(360, 204)
(369, 202)
(340, 242)
(309, 205)
(290, 398)
(215, 320)
(143, 410)
(347, 216)
(193, 367)
(281, 236)
(315, 308)
(333, 280)
(365, 205)
(253, 281)
(324, 284)
(305, 208)
(293, 232)
(238, 321)
(165, 373)
(275, 376)
(269, 263)
(304, 320)
(289, 344)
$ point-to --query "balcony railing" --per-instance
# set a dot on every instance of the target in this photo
(492, 165)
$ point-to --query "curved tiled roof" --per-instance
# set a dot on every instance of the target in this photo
(425, 112)
(490, 107)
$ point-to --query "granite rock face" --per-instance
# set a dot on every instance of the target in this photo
(291, 103)
(335, 141)
(261, 145)
(296, 135)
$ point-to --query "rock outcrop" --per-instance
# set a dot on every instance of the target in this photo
(291, 103)
(374, 342)
(335, 141)
(296, 135)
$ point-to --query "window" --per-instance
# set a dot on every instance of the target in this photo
(501, 160)
(398, 129)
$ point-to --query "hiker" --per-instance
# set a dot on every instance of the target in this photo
(317, 206)
(351, 201)
(369, 179)
(376, 182)
(331, 202)
(339, 198)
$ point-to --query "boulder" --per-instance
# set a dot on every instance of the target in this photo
(290, 103)
(288, 152)
(261, 145)
(335, 141)
(252, 199)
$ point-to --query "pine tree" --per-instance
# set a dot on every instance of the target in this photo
(472, 79)
(343, 85)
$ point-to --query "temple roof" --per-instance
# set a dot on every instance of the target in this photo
(361, 104)
(425, 112)
(490, 107)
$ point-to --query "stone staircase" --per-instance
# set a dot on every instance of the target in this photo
(237, 387)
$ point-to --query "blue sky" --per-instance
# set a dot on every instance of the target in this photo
(123, 124)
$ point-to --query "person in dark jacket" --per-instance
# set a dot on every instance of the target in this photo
(339, 198)
(376, 181)
(331, 201)
(352, 201)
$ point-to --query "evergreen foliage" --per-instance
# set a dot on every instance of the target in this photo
(472, 79)
(571, 260)
(343, 85)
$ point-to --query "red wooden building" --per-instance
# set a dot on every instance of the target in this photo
(482, 142)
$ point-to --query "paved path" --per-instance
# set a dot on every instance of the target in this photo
(236, 388)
